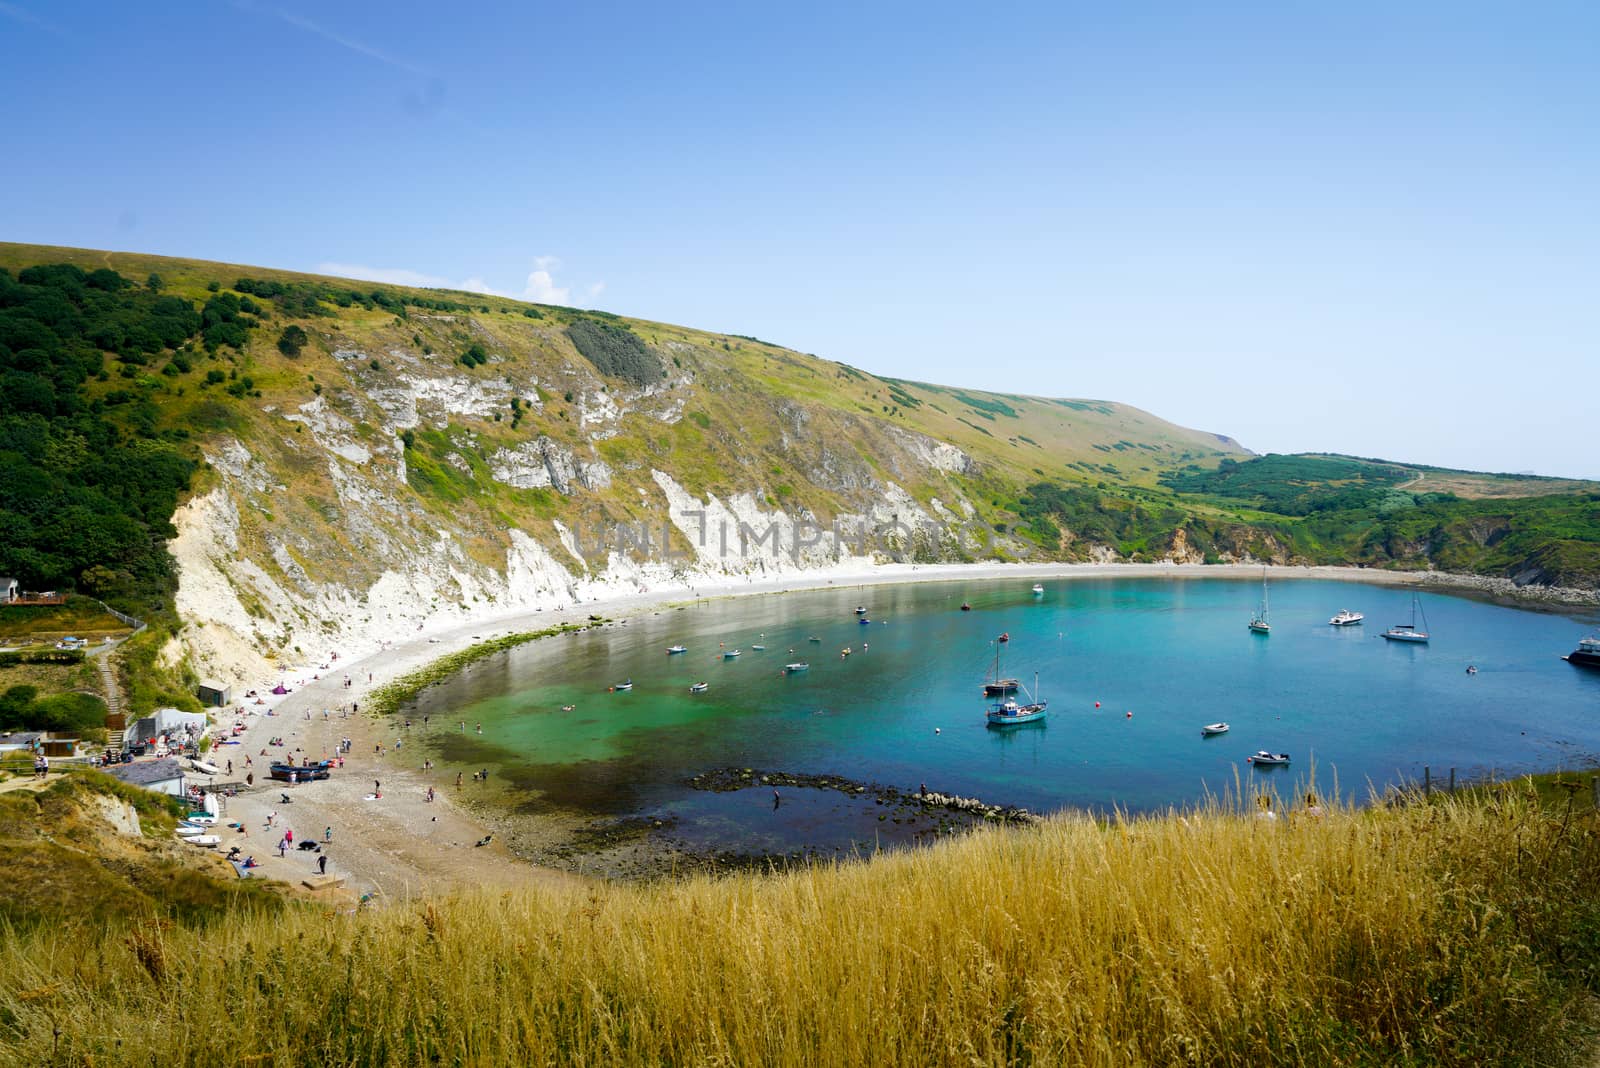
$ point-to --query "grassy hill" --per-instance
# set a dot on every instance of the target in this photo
(328, 459)
(1459, 932)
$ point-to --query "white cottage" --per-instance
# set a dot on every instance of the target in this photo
(9, 589)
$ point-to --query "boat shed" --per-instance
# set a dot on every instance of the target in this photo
(214, 694)
(163, 776)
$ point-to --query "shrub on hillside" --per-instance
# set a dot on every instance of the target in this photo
(615, 350)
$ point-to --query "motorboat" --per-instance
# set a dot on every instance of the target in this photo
(1346, 618)
(1011, 712)
(864, 621)
(569, 708)
(1038, 589)
(729, 654)
(814, 638)
(1587, 654)
(622, 687)
(1004, 638)
(700, 687)
(759, 648)
(861, 610)
(1214, 728)
(797, 666)
(673, 650)
(965, 607)
(1263, 759)
(1410, 632)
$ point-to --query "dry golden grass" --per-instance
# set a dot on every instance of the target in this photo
(1459, 932)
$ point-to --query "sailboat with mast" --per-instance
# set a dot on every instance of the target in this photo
(994, 685)
(1011, 712)
(1410, 632)
(1258, 622)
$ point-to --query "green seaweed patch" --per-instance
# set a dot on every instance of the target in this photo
(387, 698)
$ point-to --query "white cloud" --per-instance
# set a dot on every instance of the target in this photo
(540, 287)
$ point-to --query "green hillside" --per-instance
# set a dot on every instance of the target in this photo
(325, 455)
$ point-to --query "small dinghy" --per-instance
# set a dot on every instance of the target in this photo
(1264, 759)
(1038, 589)
(204, 768)
(814, 638)
(1214, 728)
(729, 654)
(700, 687)
(796, 667)
(200, 819)
(861, 610)
(205, 841)
(759, 648)
(187, 830)
(569, 708)
(622, 687)
(673, 650)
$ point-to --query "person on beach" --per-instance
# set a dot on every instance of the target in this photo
(288, 835)
(430, 795)
(322, 864)
(458, 780)
(283, 848)
(377, 788)
(271, 816)
(327, 834)
(480, 728)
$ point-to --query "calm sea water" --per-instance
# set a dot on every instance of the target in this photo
(905, 708)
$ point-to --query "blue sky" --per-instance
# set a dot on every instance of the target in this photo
(1366, 228)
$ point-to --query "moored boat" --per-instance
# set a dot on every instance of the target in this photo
(1214, 728)
(1587, 654)
(797, 666)
(1258, 622)
(1263, 759)
(1011, 712)
(672, 650)
(1346, 618)
(622, 687)
(729, 654)
(965, 607)
(1038, 589)
(861, 610)
(1410, 632)
(759, 648)
(699, 687)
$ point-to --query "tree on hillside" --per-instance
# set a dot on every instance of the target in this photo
(292, 340)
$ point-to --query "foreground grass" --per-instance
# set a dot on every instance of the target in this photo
(1460, 932)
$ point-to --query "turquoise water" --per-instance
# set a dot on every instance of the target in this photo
(905, 707)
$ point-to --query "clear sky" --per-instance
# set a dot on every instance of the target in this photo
(1358, 227)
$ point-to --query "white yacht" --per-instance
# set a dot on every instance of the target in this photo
(1346, 618)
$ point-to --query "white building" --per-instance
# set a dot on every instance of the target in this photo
(9, 589)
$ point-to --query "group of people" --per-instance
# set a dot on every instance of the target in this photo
(41, 766)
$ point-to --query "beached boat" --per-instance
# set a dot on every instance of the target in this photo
(1346, 618)
(798, 665)
(1410, 632)
(729, 654)
(1587, 654)
(700, 687)
(1258, 622)
(1263, 759)
(1011, 712)
(205, 841)
(200, 819)
(297, 772)
(1214, 728)
(187, 830)
(204, 768)
(672, 650)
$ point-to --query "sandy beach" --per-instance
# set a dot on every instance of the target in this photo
(401, 844)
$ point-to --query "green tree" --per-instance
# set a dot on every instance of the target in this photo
(292, 340)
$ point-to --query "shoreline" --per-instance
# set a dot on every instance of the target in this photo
(401, 844)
